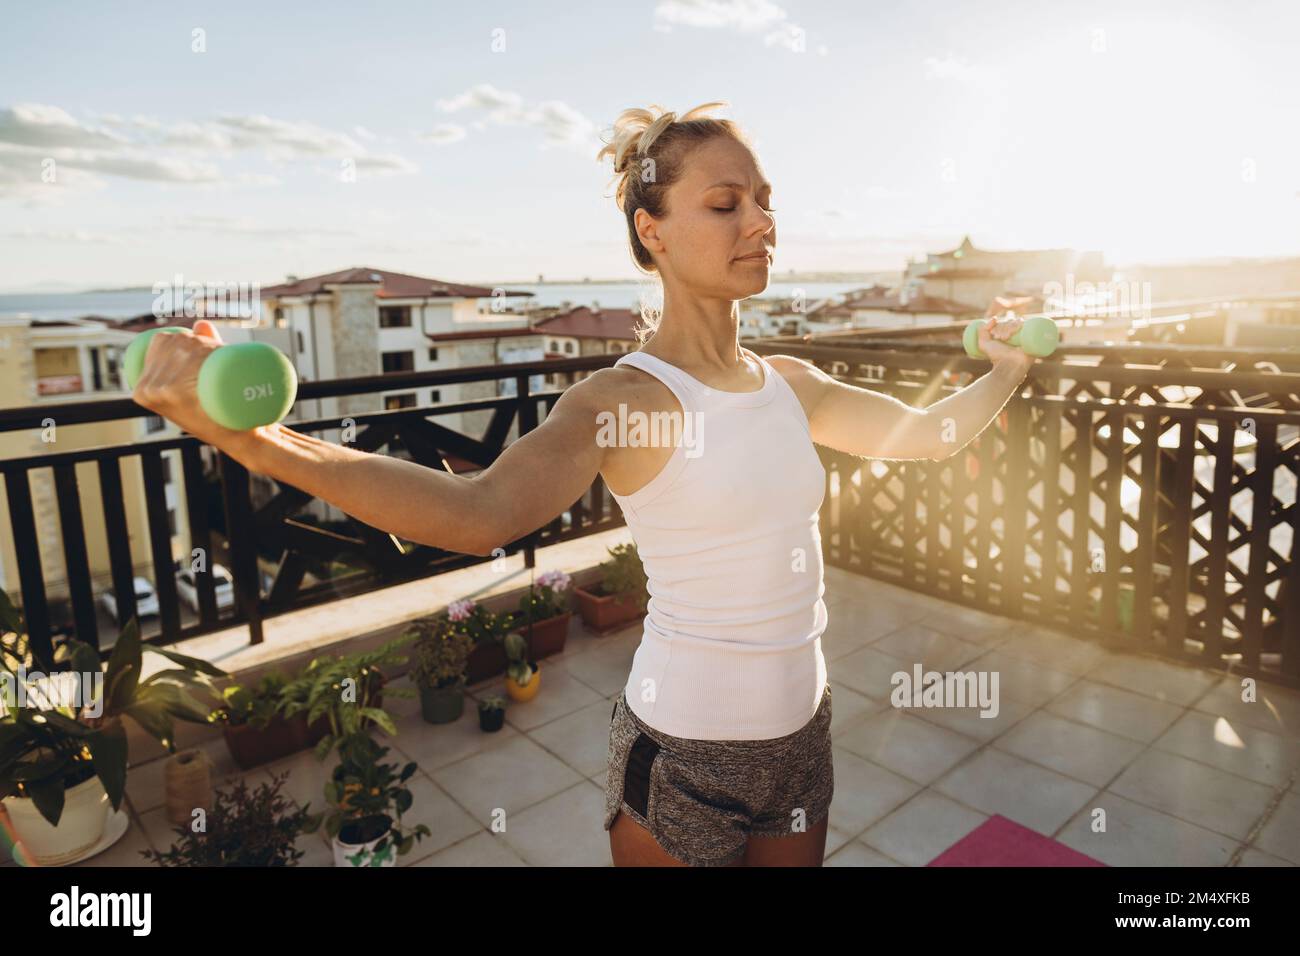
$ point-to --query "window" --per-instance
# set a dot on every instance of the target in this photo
(435, 395)
(167, 470)
(302, 347)
(568, 348)
(399, 361)
(406, 400)
(394, 316)
(553, 345)
(433, 355)
(171, 522)
(154, 423)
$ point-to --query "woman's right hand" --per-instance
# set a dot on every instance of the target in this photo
(169, 382)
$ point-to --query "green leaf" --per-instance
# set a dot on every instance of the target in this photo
(380, 717)
(153, 718)
(123, 669)
(32, 772)
(47, 795)
(85, 659)
(65, 724)
(108, 754)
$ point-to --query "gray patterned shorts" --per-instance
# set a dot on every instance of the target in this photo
(703, 799)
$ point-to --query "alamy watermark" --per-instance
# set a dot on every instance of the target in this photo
(638, 429)
(1125, 300)
(209, 299)
(82, 692)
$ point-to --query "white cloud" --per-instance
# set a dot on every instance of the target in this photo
(483, 96)
(744, 16)
(949, 68)
(146, 148)
(45, 127)
(444, 133)
(559, 122)
(747, 15)
(54, 235)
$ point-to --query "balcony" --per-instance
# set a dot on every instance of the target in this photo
(1122, 604)
(1186, 772)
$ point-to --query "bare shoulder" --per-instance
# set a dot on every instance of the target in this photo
(806, 379)
(609, 387)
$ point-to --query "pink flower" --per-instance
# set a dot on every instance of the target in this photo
(460, 610)
(555, 580)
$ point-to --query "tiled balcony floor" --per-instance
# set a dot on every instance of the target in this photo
(1187, 774)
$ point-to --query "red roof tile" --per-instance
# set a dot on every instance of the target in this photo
(585, 323)
(392, 285)
(479, 334)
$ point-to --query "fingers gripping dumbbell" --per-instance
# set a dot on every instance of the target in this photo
(241, 386)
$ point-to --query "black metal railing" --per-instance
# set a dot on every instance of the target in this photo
(217, 490)
(1141, 494)
(1094, 502)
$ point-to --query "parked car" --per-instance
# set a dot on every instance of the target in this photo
(222, 582)
(146, 601)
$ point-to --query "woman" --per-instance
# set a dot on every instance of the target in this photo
(719, 751)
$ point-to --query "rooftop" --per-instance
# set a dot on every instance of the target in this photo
(1189, 775)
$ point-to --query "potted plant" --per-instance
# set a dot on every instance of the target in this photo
(491, 714)
(366, 799)
(63, 743)
(346, 693)
(244, 828)
(619, 596)
(544, 614)
(488, 630)
(438, 670)
(523, 676)
(254, 724)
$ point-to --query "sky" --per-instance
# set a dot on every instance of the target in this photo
(240, 141)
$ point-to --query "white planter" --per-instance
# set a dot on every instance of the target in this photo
(345, 854)
(85, 812)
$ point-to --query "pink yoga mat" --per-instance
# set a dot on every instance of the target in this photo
(1002, 842)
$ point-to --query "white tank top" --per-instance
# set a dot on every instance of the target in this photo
(729, 538)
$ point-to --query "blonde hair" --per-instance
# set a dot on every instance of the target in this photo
(649, 148)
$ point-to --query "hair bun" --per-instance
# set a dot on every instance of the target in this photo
(636, 129)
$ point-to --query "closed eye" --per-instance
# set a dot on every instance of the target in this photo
(733, 209)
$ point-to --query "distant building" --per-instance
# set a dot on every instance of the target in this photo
(973, 278)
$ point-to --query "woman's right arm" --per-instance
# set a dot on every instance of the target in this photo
(533, 480)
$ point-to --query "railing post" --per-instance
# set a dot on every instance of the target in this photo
(527, 422)
(240, 533)
(1016, 496)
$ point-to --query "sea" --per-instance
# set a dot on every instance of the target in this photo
(615, 295)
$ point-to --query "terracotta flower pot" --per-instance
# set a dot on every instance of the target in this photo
(548, 636)
(253, 746)
(606, 612)
(486, 660)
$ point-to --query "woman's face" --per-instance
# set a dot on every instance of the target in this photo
(717, 216)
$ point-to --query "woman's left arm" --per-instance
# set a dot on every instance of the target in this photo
(869, 424)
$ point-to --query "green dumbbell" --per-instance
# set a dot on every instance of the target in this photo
(241, 386)
(1038, 336)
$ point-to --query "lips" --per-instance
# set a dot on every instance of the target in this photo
(756, 257)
